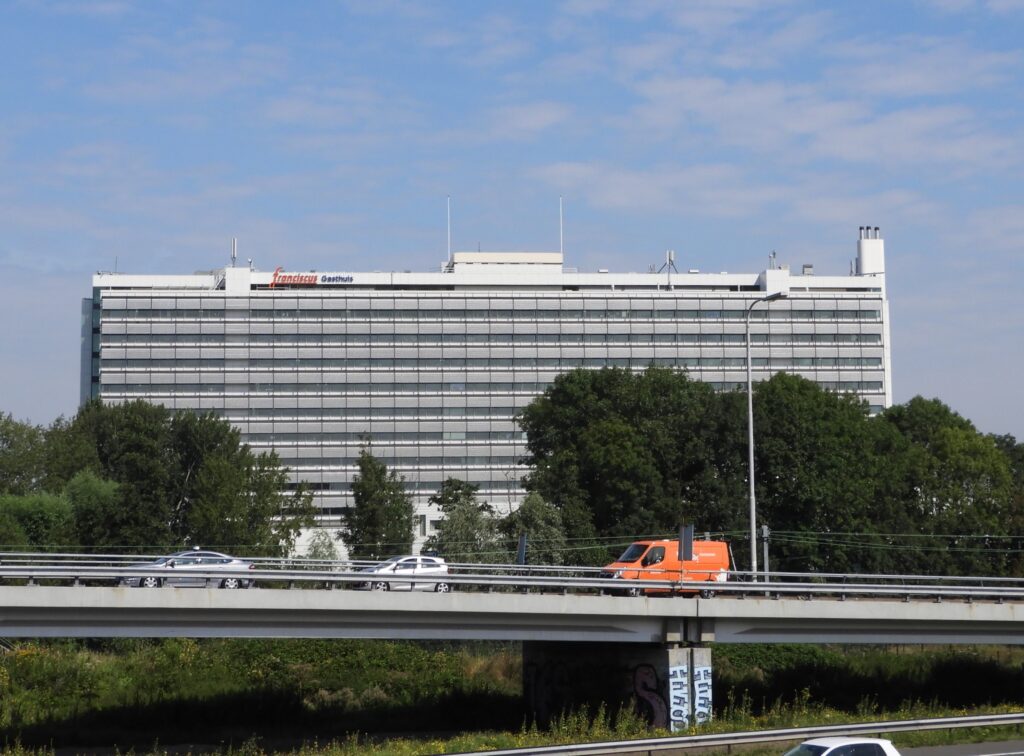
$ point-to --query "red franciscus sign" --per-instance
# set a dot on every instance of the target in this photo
(292, 279)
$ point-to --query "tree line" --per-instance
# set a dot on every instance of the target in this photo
(611, 455)
(136, 477)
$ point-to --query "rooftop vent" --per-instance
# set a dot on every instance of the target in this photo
(808, 269)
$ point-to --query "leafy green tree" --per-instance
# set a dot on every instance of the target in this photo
(468, 531)
(627, 454)
(180, 478)
(44, 518)
(69, 448)
(96, 507)
(12, 535)
(21, 456)
(818, 471)
(379, 524)
(321, 546)
(541, 522)
(958, 482)
(133, 447)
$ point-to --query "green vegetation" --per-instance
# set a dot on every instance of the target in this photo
(624, 454)
(379, 523)
(135, 477)
(277, 695)
(469, 530)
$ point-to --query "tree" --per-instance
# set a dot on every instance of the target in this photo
(542, 524)
(379, 524)
(12, 535)
(21, 456)
(97, 508)
(143, 479)
(626, 454)
(321, 546)
(818, 472)
(468, 531)
(957, 482)
(44, 518)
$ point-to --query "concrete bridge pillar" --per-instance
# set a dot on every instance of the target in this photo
(669, 684)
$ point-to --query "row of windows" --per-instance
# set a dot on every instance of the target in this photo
(383, 413)
(421, 461)
(464, 339)
(264, 390)
(490, 487)
(485, 315)
(282, 439)
(485, 363)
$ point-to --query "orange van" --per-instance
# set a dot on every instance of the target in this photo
(659, 560)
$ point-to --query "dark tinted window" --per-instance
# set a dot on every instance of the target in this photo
(633, 553)
(806, 750)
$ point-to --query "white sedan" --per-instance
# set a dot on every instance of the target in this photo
(840, 746)
(424, 574)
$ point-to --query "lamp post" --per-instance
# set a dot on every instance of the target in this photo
(750, 437)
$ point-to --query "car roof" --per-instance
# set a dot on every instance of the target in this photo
(198, 552)
(832, 742)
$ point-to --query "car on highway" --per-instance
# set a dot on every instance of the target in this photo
(418, 573)
(180, 569)
(844, 746)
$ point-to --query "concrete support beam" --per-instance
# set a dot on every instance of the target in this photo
(668, 684)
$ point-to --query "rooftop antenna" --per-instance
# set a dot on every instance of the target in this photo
(561, 235)
(669, 266)
(449, 229)
(234, 251)
(771, 260)
(115, 263)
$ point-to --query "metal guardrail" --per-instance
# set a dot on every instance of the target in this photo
(78, 569)
(290, 578)
(728, 740)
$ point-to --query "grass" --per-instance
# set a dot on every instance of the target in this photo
(380, 697)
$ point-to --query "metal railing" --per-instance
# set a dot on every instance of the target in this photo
(111, 569)
(729, 740)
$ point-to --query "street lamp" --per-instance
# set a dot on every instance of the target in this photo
(750, 436)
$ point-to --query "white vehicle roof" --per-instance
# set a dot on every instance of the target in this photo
(832, 742)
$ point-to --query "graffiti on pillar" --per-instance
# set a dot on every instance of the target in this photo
(647, 690)
(702, 694)
(679, 697)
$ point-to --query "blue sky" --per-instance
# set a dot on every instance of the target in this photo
(326, 135)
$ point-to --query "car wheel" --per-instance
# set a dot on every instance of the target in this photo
(634, 592)
(231, 583)
(442, 588)
(149, 582)
(380, 586)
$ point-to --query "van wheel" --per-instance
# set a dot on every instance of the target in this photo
(634, 592)
(706, 594)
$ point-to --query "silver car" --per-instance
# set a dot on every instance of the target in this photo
(179, 569)
(425, 573)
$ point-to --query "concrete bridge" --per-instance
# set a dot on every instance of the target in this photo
(576, 647)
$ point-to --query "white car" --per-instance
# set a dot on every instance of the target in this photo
(842, 746)
(423, 573)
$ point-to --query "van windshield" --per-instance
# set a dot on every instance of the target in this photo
(633, 553)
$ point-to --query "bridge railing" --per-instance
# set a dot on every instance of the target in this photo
(76, 569)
